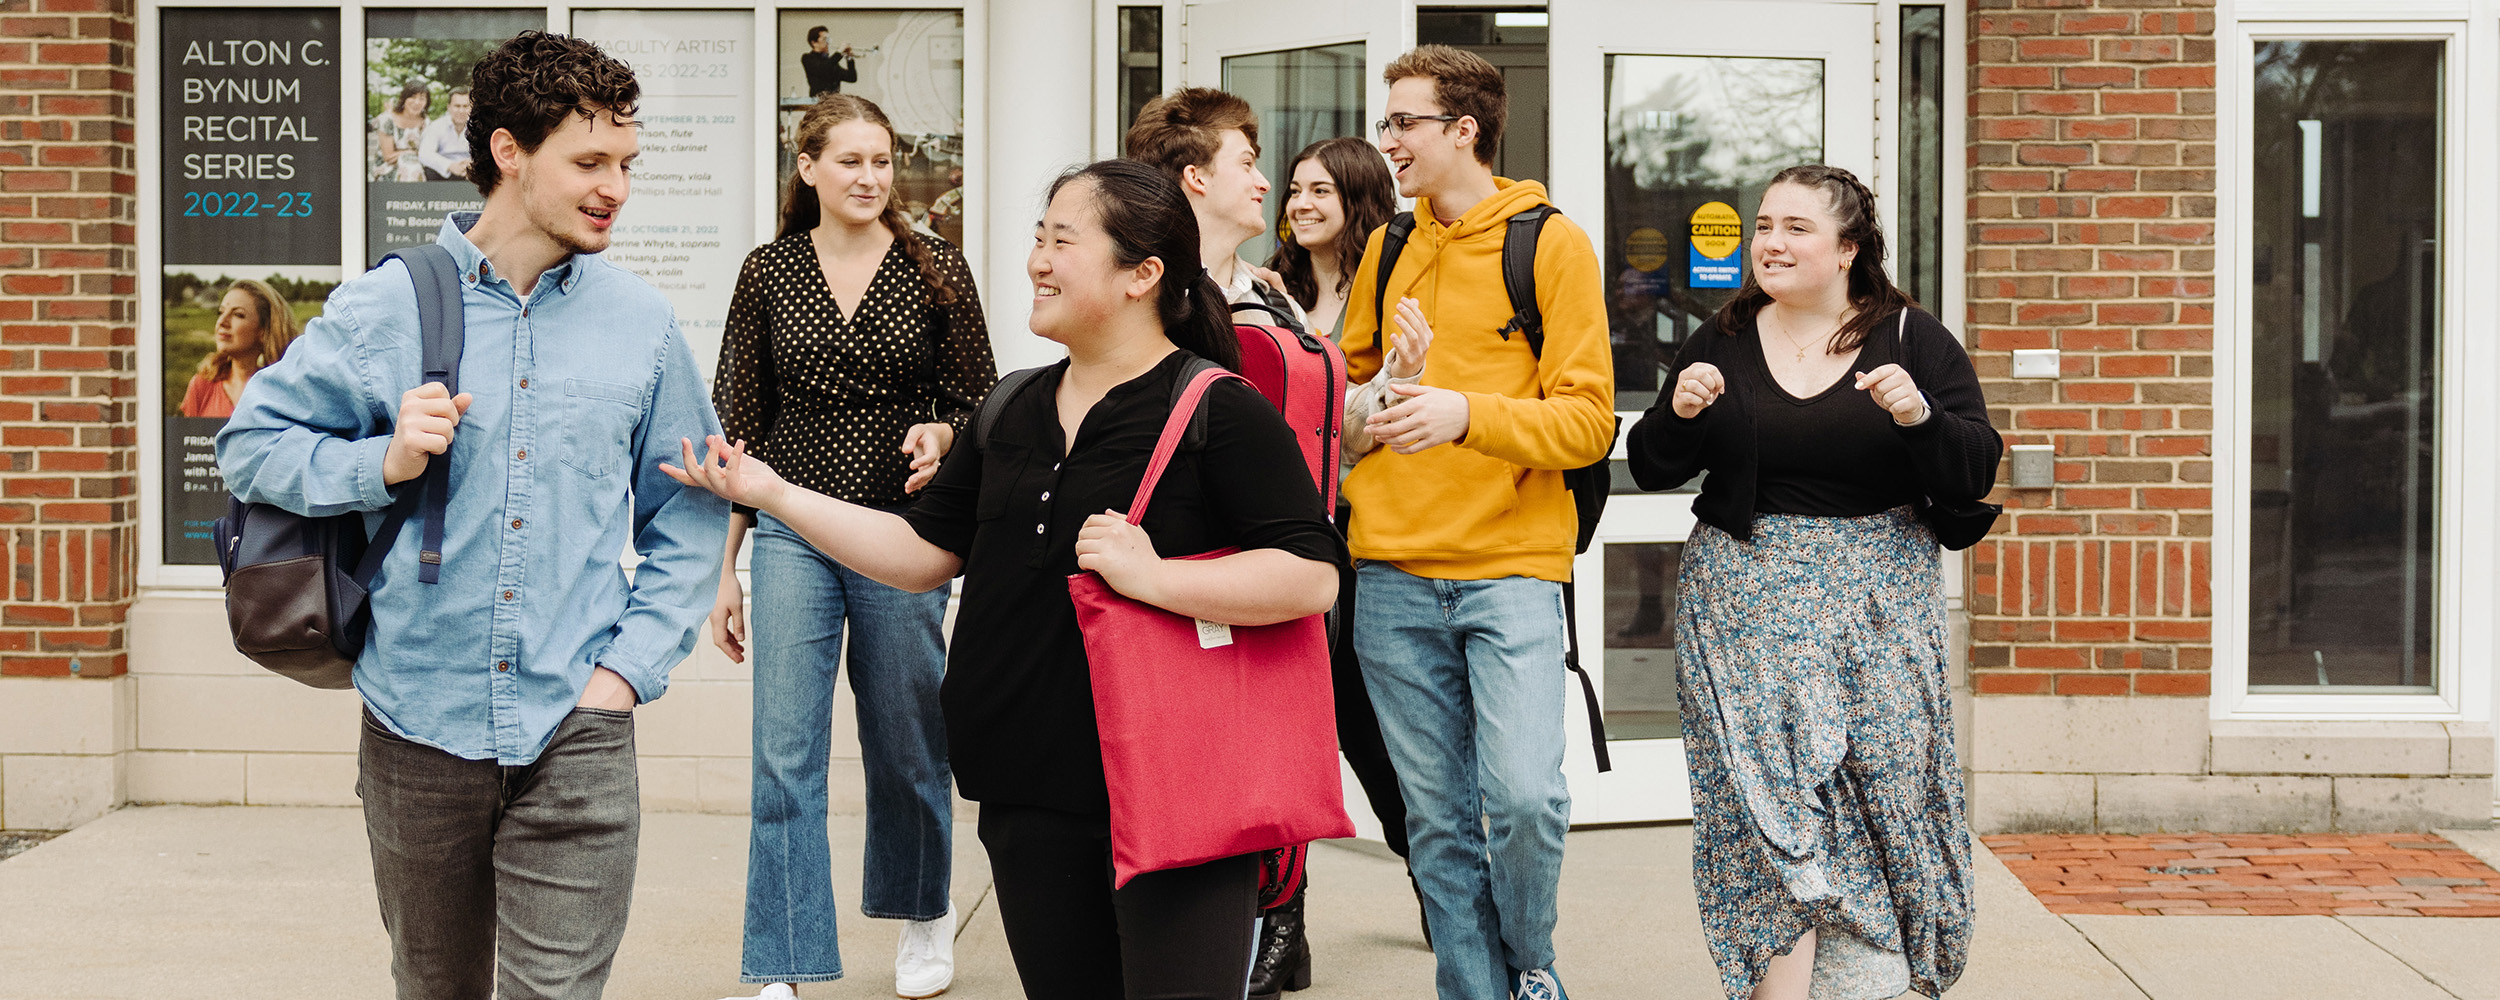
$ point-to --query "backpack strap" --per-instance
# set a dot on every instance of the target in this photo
(1273, 303)
(1014, 382)
(439, 322)
(1195, 379)
(1588, 687)
(1518, 271)
(996, 402)
(1401, 228)
(1194, 437)
(1519, 276)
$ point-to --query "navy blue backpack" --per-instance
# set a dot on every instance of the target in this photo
(295, 585)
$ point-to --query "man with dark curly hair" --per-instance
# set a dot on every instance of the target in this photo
(506, 657)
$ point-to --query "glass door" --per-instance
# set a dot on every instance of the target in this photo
(1670, 119)
(1311, 68)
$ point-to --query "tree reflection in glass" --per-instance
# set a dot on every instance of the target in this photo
(2345, 345)
(1682, 132)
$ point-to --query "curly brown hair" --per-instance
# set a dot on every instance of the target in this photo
(802, 210)
(527, 87)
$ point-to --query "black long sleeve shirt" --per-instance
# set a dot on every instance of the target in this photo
(826, 398)
(1950, 457)
(827, 72)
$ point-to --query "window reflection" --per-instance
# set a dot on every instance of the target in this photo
(1640, 700)
(911, 63)
(2346, 290)
(1302, 96)
(1690, 141)
(1921, 238)
(1141, 61)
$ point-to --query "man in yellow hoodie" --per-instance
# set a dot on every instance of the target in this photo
(1463, 524)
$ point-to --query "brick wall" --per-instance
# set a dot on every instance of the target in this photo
(68, 333)
(2092, 231)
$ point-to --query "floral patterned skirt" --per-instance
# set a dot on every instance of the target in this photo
(1818, 730)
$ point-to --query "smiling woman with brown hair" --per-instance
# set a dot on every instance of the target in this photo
(1837, 421)
(1336, 192)
(852, 358)
(254, 326)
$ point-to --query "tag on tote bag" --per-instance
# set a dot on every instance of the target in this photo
(1213, 634)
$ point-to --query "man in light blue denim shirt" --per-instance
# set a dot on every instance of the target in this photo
(497, 763)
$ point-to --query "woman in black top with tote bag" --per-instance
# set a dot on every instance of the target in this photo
(1117, 280)
(1844, 433)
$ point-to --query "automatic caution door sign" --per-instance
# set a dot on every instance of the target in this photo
(1717, 237)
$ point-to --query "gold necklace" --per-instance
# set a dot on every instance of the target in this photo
(1792, 342)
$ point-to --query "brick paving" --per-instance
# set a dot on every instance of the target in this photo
(2356, 875)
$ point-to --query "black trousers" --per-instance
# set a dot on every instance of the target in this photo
(1182, 934)
(1358, 726)
(504, 882)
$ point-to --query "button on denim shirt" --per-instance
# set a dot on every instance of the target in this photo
(579, 389)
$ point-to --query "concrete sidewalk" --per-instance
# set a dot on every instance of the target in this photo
(259, 903)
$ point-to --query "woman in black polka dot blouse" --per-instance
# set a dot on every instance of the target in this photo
(855, 355)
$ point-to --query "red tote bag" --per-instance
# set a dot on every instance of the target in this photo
(1217, 740)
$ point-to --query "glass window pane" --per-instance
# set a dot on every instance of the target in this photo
(1921, 238)
(693, 214)
(414, 59)
(911, 63)
(1141, 63)
(1302, 96)
(2346, 340)
(1513, 40)
(1640, 641)
(1691, 141)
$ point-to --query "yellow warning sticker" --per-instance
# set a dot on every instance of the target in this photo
(1645, 249)
(1717, 231)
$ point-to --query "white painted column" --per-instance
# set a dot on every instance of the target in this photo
(1041, 101)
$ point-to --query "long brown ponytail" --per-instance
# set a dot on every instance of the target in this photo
(802, 211)
(1872, 295)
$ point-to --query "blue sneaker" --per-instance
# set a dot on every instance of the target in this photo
(1536, 984)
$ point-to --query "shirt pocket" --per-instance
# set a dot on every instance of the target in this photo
(594, 428)
(1002, 475)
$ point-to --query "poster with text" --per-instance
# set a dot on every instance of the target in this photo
(414, 127)
(250, 135)
(250, 140)
(223, 324)
(911, 63)
(691, 219)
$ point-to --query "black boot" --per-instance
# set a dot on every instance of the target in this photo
(1284, 958)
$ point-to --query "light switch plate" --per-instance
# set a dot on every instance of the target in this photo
(2034, 466)
(2039, 363)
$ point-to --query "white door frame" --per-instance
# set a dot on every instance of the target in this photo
(1649, 781)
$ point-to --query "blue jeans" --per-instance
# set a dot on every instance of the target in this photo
(898, 655)
(1467, 676)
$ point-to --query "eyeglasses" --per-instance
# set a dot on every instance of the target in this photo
(1398, 124)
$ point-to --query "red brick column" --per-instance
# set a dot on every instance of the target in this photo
(2091, 231)
(68, 333)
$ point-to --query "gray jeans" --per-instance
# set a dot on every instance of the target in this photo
(504, 882)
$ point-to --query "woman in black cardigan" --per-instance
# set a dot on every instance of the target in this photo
(1839, 424)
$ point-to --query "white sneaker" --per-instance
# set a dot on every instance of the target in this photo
(771, 991)
(924, 966)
